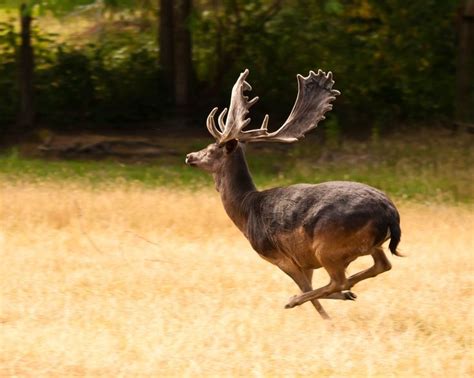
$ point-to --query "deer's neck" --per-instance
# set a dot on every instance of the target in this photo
(235, 185)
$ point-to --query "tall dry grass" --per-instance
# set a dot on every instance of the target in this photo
(121, 282)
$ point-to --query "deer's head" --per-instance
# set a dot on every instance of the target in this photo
(315, 95)
(213, 157)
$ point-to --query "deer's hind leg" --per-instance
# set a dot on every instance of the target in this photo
(338, 278)
(342, 295)
(381, 264)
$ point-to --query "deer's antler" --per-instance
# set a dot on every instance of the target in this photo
(236, 120)
(315, 95)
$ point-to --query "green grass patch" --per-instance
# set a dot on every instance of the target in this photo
(160, 173)
(427, 166)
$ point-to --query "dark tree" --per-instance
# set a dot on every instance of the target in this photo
(175, 48)
(25, 76)
(465, 69)
(182, 53)
(166, 41)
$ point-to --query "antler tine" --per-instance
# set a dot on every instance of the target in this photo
(220, 120)
(265, 122)
(211, 125)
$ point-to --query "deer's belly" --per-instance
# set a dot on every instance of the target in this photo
(295, 245)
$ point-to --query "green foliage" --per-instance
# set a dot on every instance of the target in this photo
(103, 84)
(62, 7)
(385, 55)
(392, 60)
(114, 80)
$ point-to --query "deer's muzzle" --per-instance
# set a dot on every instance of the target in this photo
(190, 159)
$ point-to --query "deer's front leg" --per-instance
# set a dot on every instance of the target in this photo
(303, 280)
(337, 284)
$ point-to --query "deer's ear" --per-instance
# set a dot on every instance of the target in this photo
(231, 145)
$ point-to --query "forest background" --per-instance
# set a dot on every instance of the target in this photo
(88, 65)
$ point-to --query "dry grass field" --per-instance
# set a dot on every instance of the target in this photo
(127, 281)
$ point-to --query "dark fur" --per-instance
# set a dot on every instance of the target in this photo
(261, 216)
(345, 205)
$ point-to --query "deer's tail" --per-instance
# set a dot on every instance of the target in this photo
(395, 235)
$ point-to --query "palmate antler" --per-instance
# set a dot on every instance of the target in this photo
(315, 95)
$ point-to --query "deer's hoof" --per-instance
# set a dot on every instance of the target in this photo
(293, 302)
(349, 295)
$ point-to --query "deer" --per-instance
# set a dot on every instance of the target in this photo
(302, 227)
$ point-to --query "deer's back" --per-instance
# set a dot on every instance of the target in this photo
(297, 216)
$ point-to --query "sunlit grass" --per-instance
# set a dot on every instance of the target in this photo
(123, 280)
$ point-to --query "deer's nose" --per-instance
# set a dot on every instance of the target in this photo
(189, 159)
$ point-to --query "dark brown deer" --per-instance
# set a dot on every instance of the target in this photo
(301, 227)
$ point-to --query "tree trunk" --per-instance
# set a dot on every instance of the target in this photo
(25, 77)
(182, 54)
(465, 69)
(166, 42)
